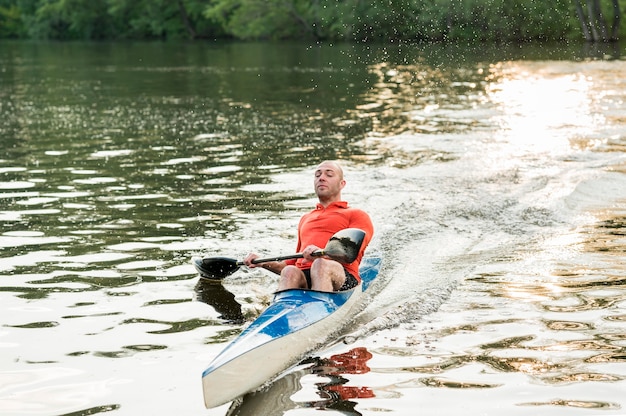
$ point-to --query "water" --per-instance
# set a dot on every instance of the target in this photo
(494, 176)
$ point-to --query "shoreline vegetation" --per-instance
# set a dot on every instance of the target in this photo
(317, 20)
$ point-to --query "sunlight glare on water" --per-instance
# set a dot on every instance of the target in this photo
(541, 107)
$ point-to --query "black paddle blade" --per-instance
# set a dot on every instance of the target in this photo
(344, 246)
(215, 267)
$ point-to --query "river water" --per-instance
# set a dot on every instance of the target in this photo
(495, 177)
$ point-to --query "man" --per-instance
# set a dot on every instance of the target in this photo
(314, 230)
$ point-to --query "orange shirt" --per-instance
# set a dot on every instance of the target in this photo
(317, 226)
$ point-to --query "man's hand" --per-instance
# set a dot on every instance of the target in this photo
(308, 251)
(248, 260)
(272, 266)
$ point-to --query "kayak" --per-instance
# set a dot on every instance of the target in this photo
(296, 322)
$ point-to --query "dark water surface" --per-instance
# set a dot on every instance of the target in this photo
(495, 176)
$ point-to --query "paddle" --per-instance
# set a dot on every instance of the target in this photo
(343, 247)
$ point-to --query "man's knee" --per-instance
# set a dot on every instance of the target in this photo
(325, 267)
(327, 275)
(292, 277)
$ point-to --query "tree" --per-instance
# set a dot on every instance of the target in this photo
(320, 20)
(264, 19)
(10, 21)
(593, 23)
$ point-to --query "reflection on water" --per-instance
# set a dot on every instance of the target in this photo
(607, 236)
(540, 107)
(576, 404)
(351, 362)
(326, 374)
(213, 293)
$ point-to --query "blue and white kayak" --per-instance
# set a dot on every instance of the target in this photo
(296, 322)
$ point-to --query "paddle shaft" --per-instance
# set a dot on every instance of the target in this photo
(318, 253)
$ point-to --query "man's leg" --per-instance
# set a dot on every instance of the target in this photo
(327, 275)
(292, 278)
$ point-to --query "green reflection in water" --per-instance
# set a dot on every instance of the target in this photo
(173, 327)
(47, 324)
(92, 315)
(441, 382)
(128, 351)
(580, 404)
(94, 410)
(223, 336)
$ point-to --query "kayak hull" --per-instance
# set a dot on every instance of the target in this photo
(295, 323)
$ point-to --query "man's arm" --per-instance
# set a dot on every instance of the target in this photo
(273, 266)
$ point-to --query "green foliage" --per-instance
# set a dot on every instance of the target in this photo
(257, 19)
(108, 19)
(357, 20)
(478, 20)
(392, 19)
(147, 18)
(11, 22)
(66, 19)
(434, 20)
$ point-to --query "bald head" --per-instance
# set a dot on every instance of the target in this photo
(328, 182)
(331, 164)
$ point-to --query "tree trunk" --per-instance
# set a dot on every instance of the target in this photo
(317, 30)
(617, 17)
(584, 24)
(597, 19)
(186, 21)
(593, 23)
(307, 27)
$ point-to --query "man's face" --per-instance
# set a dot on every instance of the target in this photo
(328, 180)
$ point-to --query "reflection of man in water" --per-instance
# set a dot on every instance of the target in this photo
(213, 293)
(276, 398)
(351, 362)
